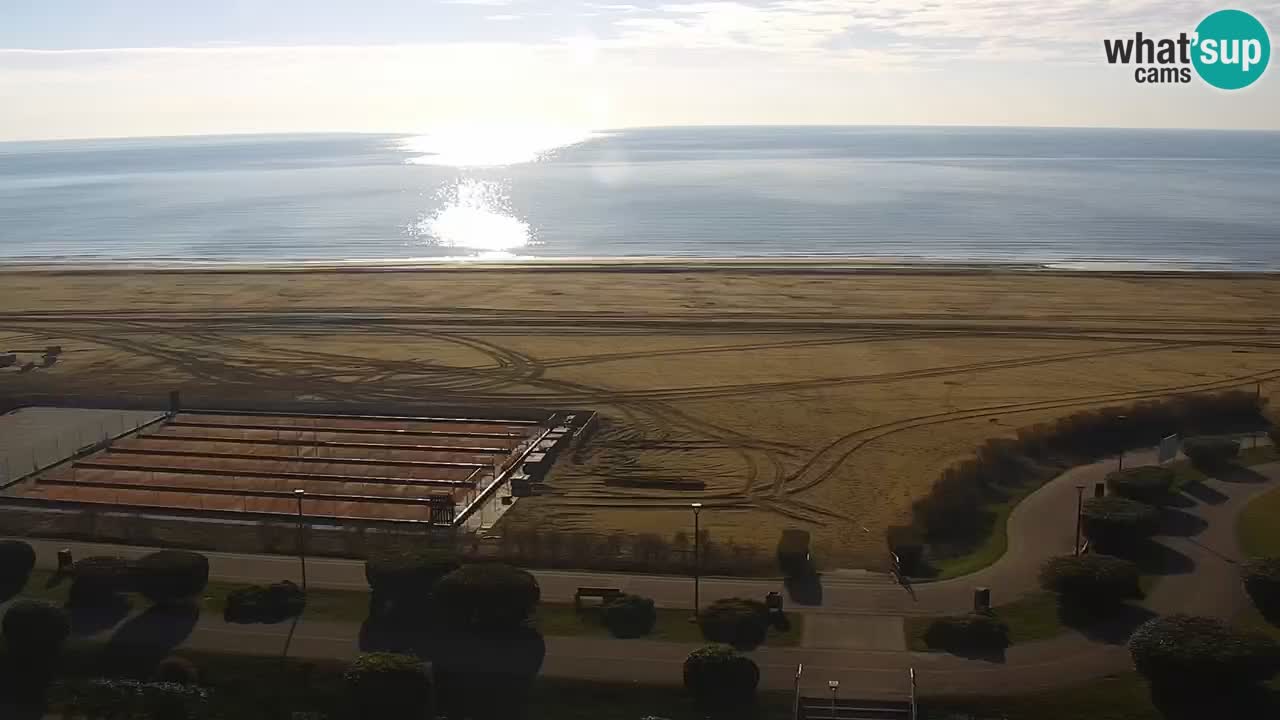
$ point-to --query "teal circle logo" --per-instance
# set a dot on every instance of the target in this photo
(1231, 49)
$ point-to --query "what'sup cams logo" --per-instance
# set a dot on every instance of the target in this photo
(1228, 50)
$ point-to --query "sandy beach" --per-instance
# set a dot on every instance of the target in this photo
(826, 396)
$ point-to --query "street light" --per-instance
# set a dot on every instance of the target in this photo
(302, 550)
(1079, 514)
(697, 558)
(1120, 462)
(835, 687)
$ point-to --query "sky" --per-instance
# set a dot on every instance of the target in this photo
(128, 68)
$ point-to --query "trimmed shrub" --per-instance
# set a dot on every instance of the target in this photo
(387, 685)
(908, 544)
(1262, 582)
(719, 678)
(629, 616)
(17, 560)
(123, 698)
(264, 603)
(171, 576)
(1116, 525)
(491, 596)
(178, 670)
(734, 621)
(97, 580)
(403, 579)
(1190, 654)
(1149, 484)
(793, 553)
(975, 632)
(34, 631)
(1092, 580)
(1209, 452)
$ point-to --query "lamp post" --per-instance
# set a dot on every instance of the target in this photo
(1079, 514)
(697, 558)
(1120, 461)
(302, 549)
(834, 685)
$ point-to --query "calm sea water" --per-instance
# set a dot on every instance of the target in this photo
(1091, 198)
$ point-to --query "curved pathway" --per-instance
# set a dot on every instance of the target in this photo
(1203, 556)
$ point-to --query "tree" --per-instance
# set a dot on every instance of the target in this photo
(967, 633)
(1149, 484)
(487, 597)
(1192, 655)
(1116, 525)
(630, 616)
(17, 559)
(171, 576)
(719, 678)
(740, 623)
(34, 631)
(402, 580)
(387, 685)
(1209, 452)
(1092, 581)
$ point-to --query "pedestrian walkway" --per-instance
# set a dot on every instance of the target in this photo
(849, 638)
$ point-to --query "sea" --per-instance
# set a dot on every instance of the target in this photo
(1073, 198)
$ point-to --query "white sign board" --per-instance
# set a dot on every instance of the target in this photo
(1168, 449)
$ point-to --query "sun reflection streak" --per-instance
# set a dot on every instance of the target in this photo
(475, 217)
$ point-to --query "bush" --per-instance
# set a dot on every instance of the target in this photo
(1199, 654)
(719, 678)
(400, 578)
(490, 596)
(1262, 582)
(734, 621)
(1116, 525)
(975, 632)
(34, 631)
(793, 553)
(97, 580)
(630, 616)
(122, 698)
(177, 670)
(1093, 580)
(387, 685)
(1149, 484)
(1210, 453)
(264, 603)
(171, 576)
(17, 560)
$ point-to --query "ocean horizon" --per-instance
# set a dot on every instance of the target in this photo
(1070, 198)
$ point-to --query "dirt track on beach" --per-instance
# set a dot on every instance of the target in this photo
(796, 397)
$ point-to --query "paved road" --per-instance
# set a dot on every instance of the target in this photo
(1203, 553)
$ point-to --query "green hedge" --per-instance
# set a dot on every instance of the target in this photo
(1201, 655)
(171, 576)
(1151, 484)
(720, 679)
(96, 580)
(1209, 452)
(387, 685)
(968, 633)
(264, 603)
(630, 616)
(1091, 580)
(1116, 525)
(489, 596)
(735, 621)
(123, 698)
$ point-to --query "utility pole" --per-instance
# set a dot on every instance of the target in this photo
(302, 548)
(697, 559)
(1079, 514)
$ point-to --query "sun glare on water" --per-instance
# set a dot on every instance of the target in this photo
(474, 217)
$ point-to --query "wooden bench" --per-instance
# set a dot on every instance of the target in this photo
(605, 595)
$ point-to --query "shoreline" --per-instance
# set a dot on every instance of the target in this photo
(647, 264)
